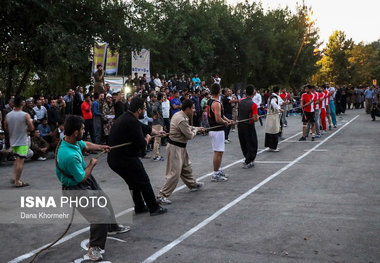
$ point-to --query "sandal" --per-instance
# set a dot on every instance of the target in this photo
(20, 184)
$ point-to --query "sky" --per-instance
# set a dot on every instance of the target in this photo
(358, 19)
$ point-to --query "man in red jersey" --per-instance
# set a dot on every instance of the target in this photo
(307, 105)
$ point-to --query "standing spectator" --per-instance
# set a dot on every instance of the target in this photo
(257, 99)
(54, 115)
(87, 116)
(369, 97)
(99, 79)
(39, 146)
(235, 108)
(196, 80)
(227, 106)
(158, 123)
(40, 111)
(118, 104)
(197, 116)
(61, 104)
(175, 103)
(4, 153)
(204, 100)
(166, 116)
(77, 102)
(96, 119)
(2, 102)
(108, 115)
(29, 109)
(17, 123)
(69, 99)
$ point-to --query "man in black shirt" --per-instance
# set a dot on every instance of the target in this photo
(227, 100)
(118, 104)
(247, 131)
(125, 160)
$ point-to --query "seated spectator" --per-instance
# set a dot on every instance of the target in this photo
(4, 153)
(39, 146)
(56, 136)
(45, 131)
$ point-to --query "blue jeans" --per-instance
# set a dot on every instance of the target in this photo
(332, 112)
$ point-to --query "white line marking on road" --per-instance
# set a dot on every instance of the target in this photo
(304, 141)
(205, 222)
(318, 150)
(83, 230)
(272, 161)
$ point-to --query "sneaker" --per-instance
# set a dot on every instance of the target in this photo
(159, 211)
(282, 138)
(197, 187)
(221, 172)
(218, 178)
(335, 126)
(302, 139)
(119, 229)
(285, 125)
(247, 166)
(233, 130)
(318, 136)
(163, 200)
(274, 150)
(156, 159)
(312, 138)
(227, 142)
(94, 254)
(162, 158)
(41, 159)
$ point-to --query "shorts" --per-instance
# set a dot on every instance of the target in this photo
(308, 117)
(20, 151)
(217, 140)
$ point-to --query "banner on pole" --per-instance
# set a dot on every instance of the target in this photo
(141, 63)
(112, 62)
(99, 55)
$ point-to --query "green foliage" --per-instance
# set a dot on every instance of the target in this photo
(244, 43)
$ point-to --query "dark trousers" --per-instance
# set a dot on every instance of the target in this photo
(97, 127)
(375, 113)
(167, 129)
(271, 140)
(227, 128)
(88, 129)
(132, 171)
(248, 141)
(96, 216)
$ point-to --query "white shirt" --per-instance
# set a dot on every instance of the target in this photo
(40, 113)
(332, 91)
(166, 109)
(257, 99)
(157, 82)
(274, 104)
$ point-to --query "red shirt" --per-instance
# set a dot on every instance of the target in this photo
(322, 100)
(284, 96)
(87, 115)
(306, 99)
(327, 93)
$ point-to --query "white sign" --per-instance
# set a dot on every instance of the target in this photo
(141, 63)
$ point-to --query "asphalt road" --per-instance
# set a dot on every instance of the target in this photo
(311, 202)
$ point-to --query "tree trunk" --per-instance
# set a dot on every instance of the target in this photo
(22, 82)
(9, 90)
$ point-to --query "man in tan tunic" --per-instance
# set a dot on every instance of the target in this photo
(178, 163)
